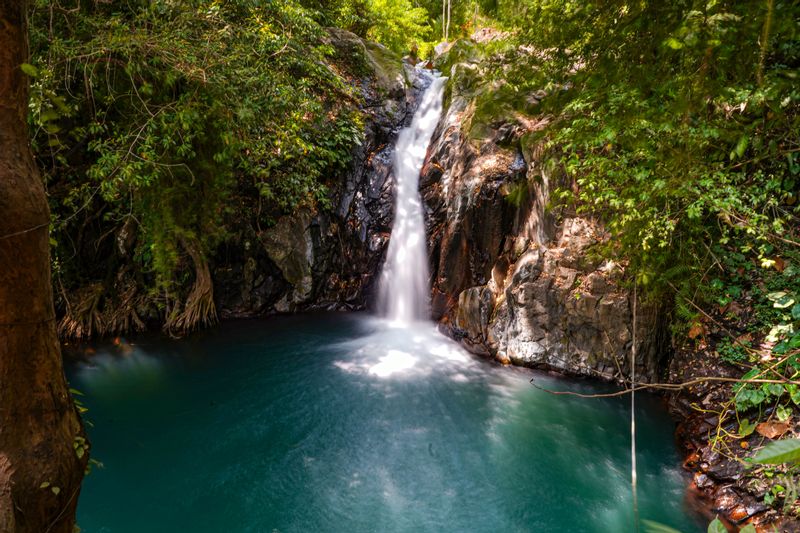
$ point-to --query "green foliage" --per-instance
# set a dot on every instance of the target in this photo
(733, 352)
(405, 25)
(398, 24)
(774, 314)
(156, 112)
(81, 446)
(778, 452)
(674, 126)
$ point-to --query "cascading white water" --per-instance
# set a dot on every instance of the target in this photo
(404, 291)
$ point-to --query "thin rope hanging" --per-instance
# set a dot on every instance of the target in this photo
(633, 419)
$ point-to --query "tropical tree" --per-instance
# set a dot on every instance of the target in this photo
(43, 450)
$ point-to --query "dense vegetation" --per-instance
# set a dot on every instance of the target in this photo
(147, 116)
(678, 123)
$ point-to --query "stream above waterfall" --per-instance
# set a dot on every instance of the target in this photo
(346, 423)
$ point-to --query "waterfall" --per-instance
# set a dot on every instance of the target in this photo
(404, 291)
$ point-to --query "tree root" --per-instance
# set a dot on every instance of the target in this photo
(199, 309)
(83, 320)
(94, 314)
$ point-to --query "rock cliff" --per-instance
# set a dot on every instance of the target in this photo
(328, 259)
(511, 278)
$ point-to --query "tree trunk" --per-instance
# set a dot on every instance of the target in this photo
(447, 25)
(444, 20)
(41, 436)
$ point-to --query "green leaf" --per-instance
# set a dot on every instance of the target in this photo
(783, 413)
(749, 528)
(746, 427)
(782, 451)
(741, 146)
(674, 43)
(29, 69)
(717, 527)
(794, 393)
(794, 342)
(796, 312)
(772, 389)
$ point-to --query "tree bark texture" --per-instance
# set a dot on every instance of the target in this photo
(40, 471)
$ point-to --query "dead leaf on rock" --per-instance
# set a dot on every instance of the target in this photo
(772, 430)
(696, 330)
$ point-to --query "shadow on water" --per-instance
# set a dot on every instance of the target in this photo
(348, 423)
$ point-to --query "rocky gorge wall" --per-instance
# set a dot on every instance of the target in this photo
(328, 259)
(512, 279)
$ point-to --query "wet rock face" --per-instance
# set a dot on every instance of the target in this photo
(510, 280)
(329, 259)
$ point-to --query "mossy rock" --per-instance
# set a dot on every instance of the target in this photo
(461, 51)
(496, 105)
(529, 142)
(388, 67)
(466, 79)
(288, 244)
(371, 59)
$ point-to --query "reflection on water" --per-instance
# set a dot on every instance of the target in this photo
(114, 370)
(344, 423)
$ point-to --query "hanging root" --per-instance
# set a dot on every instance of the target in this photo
(124, 318)
(199, 309)
(95, 313)
(83, 319)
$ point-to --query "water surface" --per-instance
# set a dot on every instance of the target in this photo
(343, 423)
